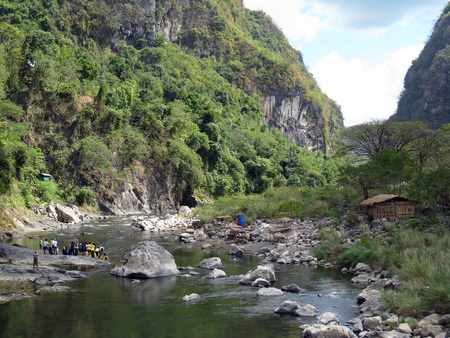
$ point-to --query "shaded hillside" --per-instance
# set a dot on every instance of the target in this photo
(143, 106)
(426, 96)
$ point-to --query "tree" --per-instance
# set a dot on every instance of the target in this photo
(5, 170)
(432, 187)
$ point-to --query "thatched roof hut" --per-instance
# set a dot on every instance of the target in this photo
(387, 206)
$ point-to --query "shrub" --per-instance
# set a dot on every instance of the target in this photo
(47, 190)
(85, 196)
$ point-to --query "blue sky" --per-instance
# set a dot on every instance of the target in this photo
(358, 50)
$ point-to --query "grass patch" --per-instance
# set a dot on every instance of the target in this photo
(12, 287)
(291, 201)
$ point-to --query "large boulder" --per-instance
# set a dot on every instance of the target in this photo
(66, 214)
(306, 311)
(287, 307)
(328, 318)
(146, 259)
(211, 263)
(261, 271)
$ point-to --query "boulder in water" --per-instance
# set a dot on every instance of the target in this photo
(146, 259)
(216, 273)
(211, 263)
(261, 271)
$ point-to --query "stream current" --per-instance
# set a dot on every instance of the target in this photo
(108, 306)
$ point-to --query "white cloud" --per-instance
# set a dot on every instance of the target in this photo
(304, 19)
(292, 16)
(364, 94)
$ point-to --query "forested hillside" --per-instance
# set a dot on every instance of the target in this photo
(147, 105)
(426, 96)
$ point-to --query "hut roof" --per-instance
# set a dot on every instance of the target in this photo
(382, 198)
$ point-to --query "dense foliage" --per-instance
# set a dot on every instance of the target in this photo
(426, 96)
(88, 112)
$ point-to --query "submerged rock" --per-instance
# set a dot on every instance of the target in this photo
(191, 297)
(146, 259)
(291, 288)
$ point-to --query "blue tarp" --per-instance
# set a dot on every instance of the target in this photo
(241, 220)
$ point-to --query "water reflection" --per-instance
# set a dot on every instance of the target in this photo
(148, 292)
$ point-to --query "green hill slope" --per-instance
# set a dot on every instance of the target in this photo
(426, 96)
(147, 105)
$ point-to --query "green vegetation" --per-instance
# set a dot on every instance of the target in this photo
(416, 250)
(288, 201)
(426, 96)
(16, 287)
(88, 113)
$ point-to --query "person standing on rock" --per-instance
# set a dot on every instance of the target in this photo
(35, 261)
(45, 246)
(55, 246)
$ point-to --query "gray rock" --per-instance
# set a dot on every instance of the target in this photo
(362, 279)
(357, 325)
(385, 334)
(331, 331)
(216, 273)
(328, 318)
(306, 259)
(146, 259)
(443, 335)
(261, 271)
(404, 328)
(264, 251)
(270, 292)
(430, 330)
(362, 267)
(191, 297)
(46, 280)
(371, 323)
(287, 307)
(235, 250)
(305, 311)
(444, 320)
(184, 210)
(261, 282)
(210, 263)
(291, 288)
(66, 214)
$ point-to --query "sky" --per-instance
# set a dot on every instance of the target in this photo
(358, 50)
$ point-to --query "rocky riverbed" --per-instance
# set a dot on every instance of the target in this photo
(278, 241)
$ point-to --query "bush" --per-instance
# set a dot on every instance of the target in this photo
(47, 190)
(85, 196)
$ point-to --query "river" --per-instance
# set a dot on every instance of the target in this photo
(108, 306)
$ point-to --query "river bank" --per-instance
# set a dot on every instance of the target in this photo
(290, 242)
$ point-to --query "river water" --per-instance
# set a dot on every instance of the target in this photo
(108, 306)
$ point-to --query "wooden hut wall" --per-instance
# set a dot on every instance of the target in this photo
(392, 209)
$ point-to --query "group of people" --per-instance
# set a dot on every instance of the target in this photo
(51, 247)
(75, 249)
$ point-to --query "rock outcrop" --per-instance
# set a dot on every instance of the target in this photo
(146, 259)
